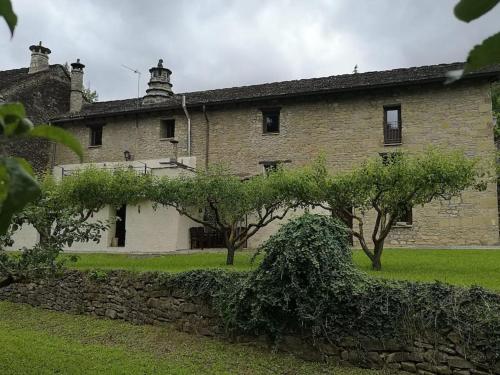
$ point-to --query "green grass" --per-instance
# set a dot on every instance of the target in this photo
(36, 341)
(460, 267)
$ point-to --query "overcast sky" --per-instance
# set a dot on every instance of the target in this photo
(221, 43)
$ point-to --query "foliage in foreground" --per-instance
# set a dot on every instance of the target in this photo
(18, 185)
(61, 215)
(308, 284)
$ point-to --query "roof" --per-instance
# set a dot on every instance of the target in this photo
(13, 77)
(302, 87)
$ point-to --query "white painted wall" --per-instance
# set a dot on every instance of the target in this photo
(27, 236)
(148, 230)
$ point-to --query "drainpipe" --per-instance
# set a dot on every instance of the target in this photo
(207, 139)
(189, 124)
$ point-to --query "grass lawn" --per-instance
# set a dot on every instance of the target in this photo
(36, 341)
(460, 267)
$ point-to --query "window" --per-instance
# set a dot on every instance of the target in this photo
(389, 157)
(167, 128)
(96, 135)
(406, 216)
(271, 120)
(270, 167)
(273, 165)
(392, 125)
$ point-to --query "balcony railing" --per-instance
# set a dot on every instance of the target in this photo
(392, 133)
(143, 169)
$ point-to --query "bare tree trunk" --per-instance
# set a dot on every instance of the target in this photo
(377, 255)
(230, 254)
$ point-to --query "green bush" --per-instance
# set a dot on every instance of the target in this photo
(308, 284)
(307, 265)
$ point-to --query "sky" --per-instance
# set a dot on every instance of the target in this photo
(212, 44)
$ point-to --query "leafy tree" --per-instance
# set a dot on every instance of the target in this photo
(89, 95)
(17, 183)
(388, 187)
(223, 202)
(61, 216)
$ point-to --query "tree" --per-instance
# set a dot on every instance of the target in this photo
(221, 201)
(89, 95)
(58, 225)
(18, 185)
(61, 216)
(389, 187)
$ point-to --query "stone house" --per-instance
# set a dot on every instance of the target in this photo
(348, 118)
(44, 90)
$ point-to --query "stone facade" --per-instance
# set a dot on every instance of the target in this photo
(347, 128)
(148, 299)
(44, 91)
(140, 136)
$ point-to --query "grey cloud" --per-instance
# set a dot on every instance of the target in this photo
(220, 43)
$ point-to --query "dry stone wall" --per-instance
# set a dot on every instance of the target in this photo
(147, 299)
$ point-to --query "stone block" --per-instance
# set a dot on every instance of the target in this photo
(110, 314)
(424, 372)
(426, 366)
(408, 366)
(460, 363)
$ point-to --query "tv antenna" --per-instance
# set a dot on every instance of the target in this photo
(136, 71)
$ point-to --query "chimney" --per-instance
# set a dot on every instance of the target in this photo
(76, 96)
(160, 88)
(39, 58)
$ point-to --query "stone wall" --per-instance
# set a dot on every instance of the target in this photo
(347, 129)
(44, 95)
(148, 298)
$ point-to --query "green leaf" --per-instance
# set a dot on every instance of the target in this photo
(4, 183)
(486, 53)
(13, 109)
(26, 166)
(22, 189)
(18, 127)
(58, 135)
(468, 10)
(8, 14)
(10, 117)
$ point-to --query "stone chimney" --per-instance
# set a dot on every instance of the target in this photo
(39, 58)
(76, 96)
(159, 84)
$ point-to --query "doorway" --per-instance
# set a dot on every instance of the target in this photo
(120, 231)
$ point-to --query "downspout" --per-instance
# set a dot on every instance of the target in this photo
(189, 124)
(207, 140)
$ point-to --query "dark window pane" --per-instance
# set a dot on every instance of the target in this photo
(96, 136)
(406, 216)
(270, 167)
(167, 128)
(271, 121)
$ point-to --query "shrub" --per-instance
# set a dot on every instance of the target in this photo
(307, 284)
(307, 264)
